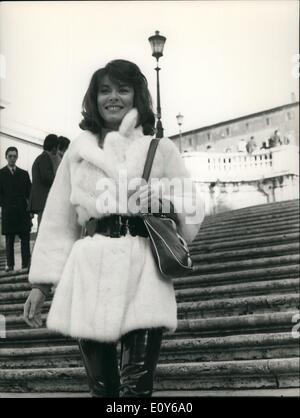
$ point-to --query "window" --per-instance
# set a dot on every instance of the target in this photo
(208, 136)
(190, 142)
(267, 121)
(289, 116)
(247, 125)
(228, 131)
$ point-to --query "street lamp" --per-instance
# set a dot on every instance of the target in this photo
(157, 43)
(179, 118)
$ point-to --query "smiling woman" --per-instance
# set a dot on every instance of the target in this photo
(114, 101)
(112, 92)
(109, 288)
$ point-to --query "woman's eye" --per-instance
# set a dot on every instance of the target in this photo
(124, 90)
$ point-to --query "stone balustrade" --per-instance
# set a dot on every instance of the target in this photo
(211, 167)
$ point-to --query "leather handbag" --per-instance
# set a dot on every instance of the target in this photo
(169, 249)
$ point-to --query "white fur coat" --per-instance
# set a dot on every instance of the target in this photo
(106, 286)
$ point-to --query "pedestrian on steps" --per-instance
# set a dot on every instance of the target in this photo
(15, 188)
(108, 287)
(43, 173)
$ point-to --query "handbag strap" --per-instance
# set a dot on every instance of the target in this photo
(150, 157)
(147, 170)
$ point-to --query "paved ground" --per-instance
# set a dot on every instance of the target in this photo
(18, 261)
(294, 392)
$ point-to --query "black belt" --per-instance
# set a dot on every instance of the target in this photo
(115, 226)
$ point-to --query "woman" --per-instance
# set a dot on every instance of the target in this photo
(108, 286)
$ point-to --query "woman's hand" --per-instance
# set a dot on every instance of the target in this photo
(146, 199)
(33, 308)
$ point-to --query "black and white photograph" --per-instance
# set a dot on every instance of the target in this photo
(149, 201)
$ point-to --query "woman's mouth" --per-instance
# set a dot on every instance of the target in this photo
(113, 108)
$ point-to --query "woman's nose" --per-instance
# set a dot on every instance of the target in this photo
(114, 95)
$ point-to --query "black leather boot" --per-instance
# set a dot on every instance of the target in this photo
(139, 356)
(101, 364)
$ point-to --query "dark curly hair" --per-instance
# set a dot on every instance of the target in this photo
(118, 71)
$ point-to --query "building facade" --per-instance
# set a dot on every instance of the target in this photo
(226, 136)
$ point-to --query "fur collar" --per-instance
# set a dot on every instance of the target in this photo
(115, 154)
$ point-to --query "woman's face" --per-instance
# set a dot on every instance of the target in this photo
(114, 101)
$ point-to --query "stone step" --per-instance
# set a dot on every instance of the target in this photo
(229, 375)
(218, 393)
(236, 325)
(282, 272)
(210, 308)
(261, 241)
(34, 337)
(71, 379)
(258, 210)
(53, 359)
(251, 218)
(209, 275)
(275, 393)
(241, 276)
(268, 251)
(17, 291)
(13, 273)
(236, 314)
(12, 277)
(15, 322)
(235, 233)
(282, 287)
(86, 395)
(237, 306)
(200, 249)
(239, 265)
(17, 308)
(15, 287)
(269, 287)
(240, 347)
(13, 296)
(236, 347)
(14, 280)
(174, 376)
(199, 327)
(260, 223)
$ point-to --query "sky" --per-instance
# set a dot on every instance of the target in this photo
(222, 59)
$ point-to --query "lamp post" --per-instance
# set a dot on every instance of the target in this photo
(179, 118)
(157, 43)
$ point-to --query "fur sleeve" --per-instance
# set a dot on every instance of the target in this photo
(58, 230)
(188, 204)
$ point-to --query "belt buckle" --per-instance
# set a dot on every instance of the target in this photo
(124, 229)
(117, 227)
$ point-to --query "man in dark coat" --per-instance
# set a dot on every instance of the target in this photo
(43, 173)
(15, 188)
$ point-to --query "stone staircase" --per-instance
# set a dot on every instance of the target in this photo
(235, 313)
